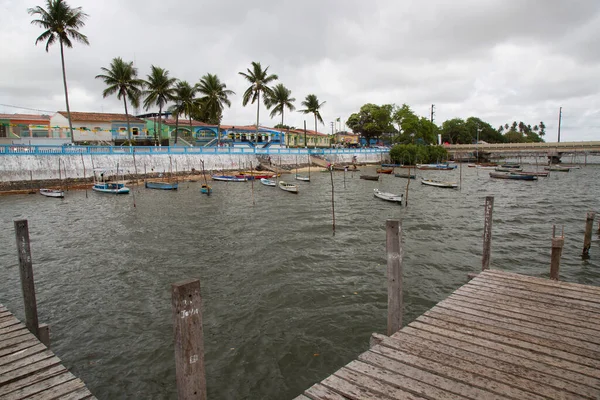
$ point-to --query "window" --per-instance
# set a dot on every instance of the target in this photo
(135, 131)
(3, 130)
(123, 131)
(97, 129)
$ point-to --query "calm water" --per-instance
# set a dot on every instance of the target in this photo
(285, 302)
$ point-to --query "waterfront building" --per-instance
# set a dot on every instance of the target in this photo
(91, 127)
(308, 138)
(24, 127)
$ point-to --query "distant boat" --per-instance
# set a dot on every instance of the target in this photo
(508, 169)
(370, 177)
(542, 174)
(515, 176)
(385, 170)
(391, 165)
(228, 178)
(268, 182)
(110, 187)
(288, 187)
(441, 184)
(161, 185)
(249, 175)
(558, 168)
(437, 167)
(407, 176)
(52, 193)
(205, 189)
(510, 165)
(302, 178)
(395, 198)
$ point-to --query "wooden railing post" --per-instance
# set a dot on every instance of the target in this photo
(186, 304)
(26, 272)
(487, 233)
(587, 240)
(394, 275)
(557, 246)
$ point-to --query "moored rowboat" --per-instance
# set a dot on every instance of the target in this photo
(511, 175)
(268, 182)
(394, 198)
(288, 187)
(161, 185)
(110, 187)
(228, 178)
(441, 184)
(370, 177)
(52, 193)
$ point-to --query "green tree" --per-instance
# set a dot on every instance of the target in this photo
(372, 121)
(312, 106)
(121, 78)
(486, 132)
(62, 23)
(259, 80)
(411, 154)
(185, 104)
(453, 129)
(280, 99)
(413, 128)
(542, 132)
(160, 89)
(215, 96)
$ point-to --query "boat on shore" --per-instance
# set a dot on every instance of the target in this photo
(52, 193)
(288, 187)
(557, 168)
(228, 178)
(370, 177)
(394, 198)
(268, 182)
(384, 170)
(110, 187)
(406, 176)
(511, 175)
(440, 184)
(162, 185)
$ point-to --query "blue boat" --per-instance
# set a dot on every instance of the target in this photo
(515, 176)
(206, 189)
(110, 187)
(161, 185)
(228, 178)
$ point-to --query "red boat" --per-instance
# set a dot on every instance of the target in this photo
(385, 170)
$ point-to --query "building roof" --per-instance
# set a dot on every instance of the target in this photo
(183, 122)
(308, 132)
(100, 117)
(26, 117)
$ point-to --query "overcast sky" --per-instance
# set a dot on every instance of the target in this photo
(500, 60)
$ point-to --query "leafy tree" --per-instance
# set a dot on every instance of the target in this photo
(414, 128)
(486, 132)
(542, 132)
(372, 121)
(121, 78)
(62, 23)
(214, 96)
(312, 106)
(280, 99)
(185, 104)
(281, 126)
(159, 91)
(411, 154)
(259, 80)
(453, 129)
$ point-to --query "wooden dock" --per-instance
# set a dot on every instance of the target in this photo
(28, 369)
(500, 336)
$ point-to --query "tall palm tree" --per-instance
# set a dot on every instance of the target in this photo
(259, 83)
(159, 91)
(185, 104)
(280, 99)
(214, 96)
(62, 23)
(312, 106)
(121, 78)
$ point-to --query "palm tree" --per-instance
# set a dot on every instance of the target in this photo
(121, 79)
(259, 82)
(312, 107)
(215, 95)
(280, 99)
(160, 90)
(185, 103)
(62, 23)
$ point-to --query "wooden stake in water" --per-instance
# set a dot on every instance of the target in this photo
(84, 178)
(31, 182)
(557, 246)
(26, 272)
(332, 200)
(252, 184)
(407, 184)
(587, 240)
(66, 177)
(60, 175)
(136, 176)
(460, 171)
(394, 275)
(487, 233)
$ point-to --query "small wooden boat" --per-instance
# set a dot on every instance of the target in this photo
(557, 168)
(52, 193)
(485, 166)
(228, 178)
(542, 174)
(509, 169)
(268, 182)
(288, 187)
(370, 177)
(302, 178)
(205, 189)
(249, 175)
(394, 198)
(441, 184)
(110, 187)
(163, 185)
(385, 170)
(510, 165)
(406, 176)
(436, 167)
(391, 165)
(515, 176)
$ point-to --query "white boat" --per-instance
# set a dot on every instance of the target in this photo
(52, 193)
(302, 178)
(268, 182)
(228, 178)
(395, 198)
(288, 187)
(442, 184)
(110, 187)
(558, 168)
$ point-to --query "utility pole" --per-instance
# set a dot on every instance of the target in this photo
(559, 120)
(432, 112)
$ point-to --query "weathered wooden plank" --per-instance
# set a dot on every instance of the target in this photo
(6, 343)
(355, 385)
(62, 389)
(546, 282)
(29, 369)
(10, 322)
(548, 337)
(11, 328)
(511, 380)
(483, 354)
(80, 394)
(31, 379)
(25, 361)
(320, 392)
(301, 397)
(13, 334)
(4, 318)
(509, 348)
(42, 388)
(442, 377)
(9, 358)
(18, 346)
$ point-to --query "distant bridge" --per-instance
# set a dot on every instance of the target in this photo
(551, 149)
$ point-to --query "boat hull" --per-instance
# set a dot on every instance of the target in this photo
(370, 177)
(440, 184)
(111, 188)
(228, 178)
(268, 182)
(205, 189)
(393, 198)
(161, 185)
(406, 176)
(59, 194)
(288, 187)
(302, 178)
(513, 176)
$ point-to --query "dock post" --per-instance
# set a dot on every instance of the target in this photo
(186, 304)
(394, 275)
(557, 246)
(487, 233)
(26, 272)
(587, 240)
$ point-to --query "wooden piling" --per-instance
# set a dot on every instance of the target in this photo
(31, 182)
(487, 233)
(587, 240)
(186, 303)
(557, 246)
(332, 200)
(394, 274)
(26, 272)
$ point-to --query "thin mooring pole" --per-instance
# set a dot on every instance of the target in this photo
(332, 200)
(557, 246)
(26, 272)
(487, 233)
(587, 240)
(407, 185)
(31, 182)
(394, 274)
(84, 178)
(186, 303)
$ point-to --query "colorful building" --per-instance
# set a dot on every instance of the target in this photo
(311, 139)
(17, 126)
(348, 139)
(98, 127)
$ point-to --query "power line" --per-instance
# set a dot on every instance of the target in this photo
(26, 108)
